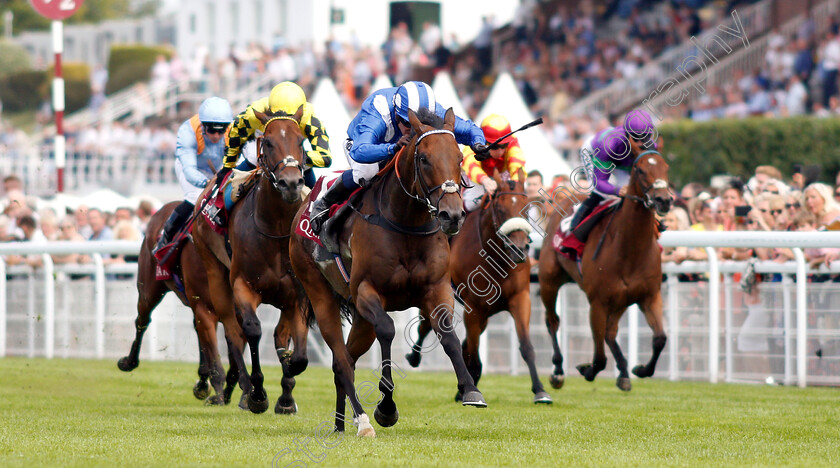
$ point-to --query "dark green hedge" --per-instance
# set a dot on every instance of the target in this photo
(23, 90)
(129, 64)
(698, 151)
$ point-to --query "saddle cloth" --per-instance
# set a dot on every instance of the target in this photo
(571, 244)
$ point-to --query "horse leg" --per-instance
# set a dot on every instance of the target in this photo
(151, 292)
(423, 329)
(205, 326)
(291, 326)
(520, 309)
(369, 307)
(549, 287)
(236, 373)
(246, 301)
(623, 381)
(438, 305)
(652, 308)
(201, 389)
(597, 322)
(475, 324)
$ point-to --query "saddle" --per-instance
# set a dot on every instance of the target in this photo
(217, 204)
(571, 242)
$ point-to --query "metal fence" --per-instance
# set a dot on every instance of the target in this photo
(87, 311)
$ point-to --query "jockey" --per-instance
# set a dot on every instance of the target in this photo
(379, 131)
(608, 150)
(286, 98)
(506, 157)
(199, 151)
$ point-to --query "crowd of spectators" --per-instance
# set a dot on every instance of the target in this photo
(22, 221)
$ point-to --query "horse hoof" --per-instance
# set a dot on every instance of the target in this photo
(386, 420)
(243, 402)
(256, 404)
(623, 384)
(288, 409)
(543, 398)
(215, 400)
(583, 369)
(413, 359)
(458, 397)
(640, 371)
(474, 398)
(227, 395)
(365, 428)
(127, 365)
(557, 381)
(201, 390)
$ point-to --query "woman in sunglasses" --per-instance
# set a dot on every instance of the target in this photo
(506, 157)
(199, 150)
(819, 200)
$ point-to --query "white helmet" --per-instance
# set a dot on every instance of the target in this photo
(215, 110)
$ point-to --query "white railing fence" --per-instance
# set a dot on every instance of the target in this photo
(88, 311)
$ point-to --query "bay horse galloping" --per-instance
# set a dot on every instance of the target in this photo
(258, 271)
(196, 296)
(627, 269)
(493, 242)
(395, 238)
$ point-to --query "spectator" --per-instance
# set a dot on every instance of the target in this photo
(819, 201)
(99, 230)
(144, 213)
(31, 234)
(675, 220)
(68, 232)
(82, 224)
(830, 55)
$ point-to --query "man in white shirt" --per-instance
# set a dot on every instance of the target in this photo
(830, 64)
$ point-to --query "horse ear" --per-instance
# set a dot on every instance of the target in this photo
(496, 176)
(521, 176)
(261, 116)
(449, 120)
(413, 120)
(299, 114)
(660, 144)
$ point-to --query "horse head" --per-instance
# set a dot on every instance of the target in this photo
(649, 177)
(433, 164)
(280, 155)
(507, 206)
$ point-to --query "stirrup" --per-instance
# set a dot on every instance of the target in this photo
(317, 222)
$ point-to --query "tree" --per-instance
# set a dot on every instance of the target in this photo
(91, 11)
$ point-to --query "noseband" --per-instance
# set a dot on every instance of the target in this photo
(288, 161)
(647, 201)
(448, 186)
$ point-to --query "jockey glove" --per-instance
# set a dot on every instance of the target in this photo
(400, 143)
(220, 176)
(482, 151)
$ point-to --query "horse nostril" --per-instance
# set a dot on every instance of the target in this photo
(444, 215)
(300, 182)
(463, 214)
(283, 183)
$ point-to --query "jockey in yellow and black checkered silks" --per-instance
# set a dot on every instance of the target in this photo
(285, 99)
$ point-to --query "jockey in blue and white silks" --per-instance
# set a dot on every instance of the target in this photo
(199, 153)
(379, 131)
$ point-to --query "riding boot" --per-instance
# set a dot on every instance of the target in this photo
(337, 193)
(179, 216)
(588, 205)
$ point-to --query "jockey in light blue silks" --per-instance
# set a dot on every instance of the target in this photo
(379, 131)
(607, 151)
(199, 152)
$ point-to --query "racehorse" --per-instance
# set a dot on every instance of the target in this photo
(620, 266)
(258, 270)
(196, 296)
(493, 242)
(396, 237)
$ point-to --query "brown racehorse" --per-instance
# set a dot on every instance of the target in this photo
(150, 293)
(258, 272)
(396, 238)
(626, 271)
(484, 248)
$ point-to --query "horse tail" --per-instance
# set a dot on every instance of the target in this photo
(304, 305)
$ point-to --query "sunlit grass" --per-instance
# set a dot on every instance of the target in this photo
(83, 413)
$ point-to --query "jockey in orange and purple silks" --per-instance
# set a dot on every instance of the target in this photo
(609, 150)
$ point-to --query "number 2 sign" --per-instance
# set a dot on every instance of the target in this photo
(56, 9)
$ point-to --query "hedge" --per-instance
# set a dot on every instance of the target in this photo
(13, 58)
(23, 90)
(76, 85)
(697, 151)
(129, 64)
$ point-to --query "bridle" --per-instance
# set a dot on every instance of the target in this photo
(490, 202)
(448, 186)
(647, 201)
(288, 161)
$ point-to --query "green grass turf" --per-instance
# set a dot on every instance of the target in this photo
(88, 413)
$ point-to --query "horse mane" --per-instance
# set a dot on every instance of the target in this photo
(428, 117)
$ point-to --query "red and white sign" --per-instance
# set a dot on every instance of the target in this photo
(56, 9)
